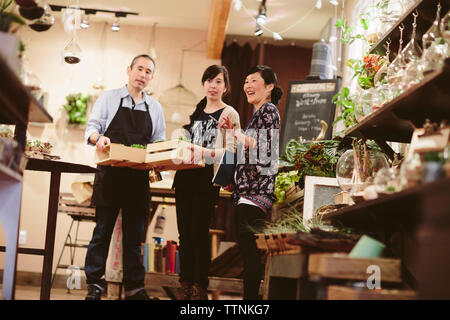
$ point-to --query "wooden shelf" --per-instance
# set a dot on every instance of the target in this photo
(396, 120)
(18, 105)
(9, 174)
(427, 15)
(390, 211)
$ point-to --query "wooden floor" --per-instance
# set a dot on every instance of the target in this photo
(33, 293)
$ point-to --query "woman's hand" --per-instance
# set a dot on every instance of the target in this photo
(227, 124)
(196, 153)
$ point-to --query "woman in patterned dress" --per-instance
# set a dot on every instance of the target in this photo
(256, 169)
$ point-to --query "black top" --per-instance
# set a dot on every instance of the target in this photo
(203, 133)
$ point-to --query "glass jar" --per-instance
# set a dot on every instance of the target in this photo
(347, 173)
(30, 80)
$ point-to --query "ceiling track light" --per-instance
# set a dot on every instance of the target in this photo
(115, 26)
(84, 22)
(261, 18)
(87, 11)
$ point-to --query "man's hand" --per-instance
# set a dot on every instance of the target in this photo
(103, 143)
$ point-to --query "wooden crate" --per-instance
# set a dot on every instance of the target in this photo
(335, 292)
(293, 193)
(169, 155)
(341, 266)
(119, 155)
(277, 244)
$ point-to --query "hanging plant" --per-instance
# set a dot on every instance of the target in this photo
(347, 106)
(364, 69)
(8, 18)
(76, 108)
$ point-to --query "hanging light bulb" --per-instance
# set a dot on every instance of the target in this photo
(258, 31)
(237, 5)
(319, 4)
(115, 26)
(85, 22)
(334, 2)
(277, 36)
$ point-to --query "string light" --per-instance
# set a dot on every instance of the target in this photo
(237, 4)
(277, 36)
(258, 31)
(319, 4)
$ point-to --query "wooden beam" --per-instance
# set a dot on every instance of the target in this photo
(218, 20)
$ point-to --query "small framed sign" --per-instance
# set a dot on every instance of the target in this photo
(319, 191)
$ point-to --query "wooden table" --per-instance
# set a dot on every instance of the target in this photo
(55, 168)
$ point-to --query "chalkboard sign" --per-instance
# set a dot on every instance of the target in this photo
(307, 103)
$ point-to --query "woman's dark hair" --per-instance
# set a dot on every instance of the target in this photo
(269, 77)
(210, 73)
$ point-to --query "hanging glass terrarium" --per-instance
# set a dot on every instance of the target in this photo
(46, 20)
(30, 80)
(434, 45)
(395, 69)
(445, 31)
(72, 52)
(411, 56)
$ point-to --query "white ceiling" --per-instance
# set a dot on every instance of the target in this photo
(194, 14)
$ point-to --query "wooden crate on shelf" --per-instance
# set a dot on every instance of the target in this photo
(169, 155)
(293, 193)
(341, 266)
(277, 243)
(119, 155)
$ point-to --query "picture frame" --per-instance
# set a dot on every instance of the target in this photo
(319, 191)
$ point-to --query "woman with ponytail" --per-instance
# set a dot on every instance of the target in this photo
(195, 193)
(256, 169)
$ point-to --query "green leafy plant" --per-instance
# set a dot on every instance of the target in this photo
(76, 108)
(139, 146)
(283, 181)
(348, 35)
(363, 69)
(346, 106)
(9, 18)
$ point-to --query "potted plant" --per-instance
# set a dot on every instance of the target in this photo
(10, 22)
(76, 108)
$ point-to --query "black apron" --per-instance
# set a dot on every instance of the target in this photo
(119, 187)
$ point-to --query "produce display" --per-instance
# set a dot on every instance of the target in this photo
(139, 146)
(39, 150)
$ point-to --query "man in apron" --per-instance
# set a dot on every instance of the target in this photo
(126, 116)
